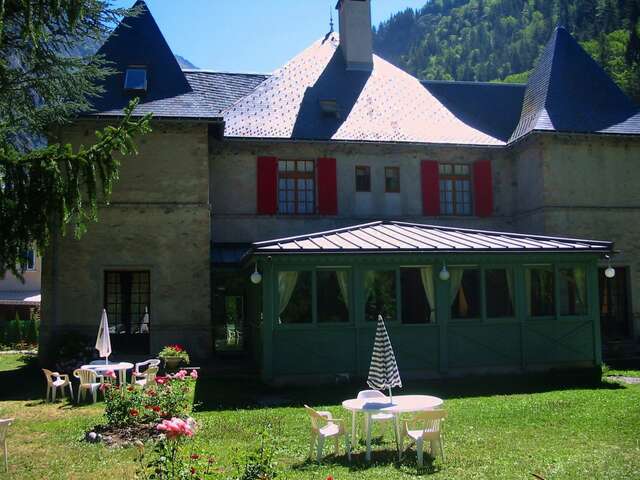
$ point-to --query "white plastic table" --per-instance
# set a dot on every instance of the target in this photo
(120, 367)
(401, 404)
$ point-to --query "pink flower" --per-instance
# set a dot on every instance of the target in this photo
(194, 374)
(175, 428)
(161, 380)
(110, 374)
(103, 387)
(181, 375)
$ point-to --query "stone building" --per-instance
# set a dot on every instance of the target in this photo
(340, 146)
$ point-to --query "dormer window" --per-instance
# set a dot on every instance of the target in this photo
(135, 79)
(330, 108)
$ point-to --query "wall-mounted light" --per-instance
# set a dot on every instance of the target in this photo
(609, 272)
(444, 273)
(256, 276)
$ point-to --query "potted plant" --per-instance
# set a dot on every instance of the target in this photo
(174, 356)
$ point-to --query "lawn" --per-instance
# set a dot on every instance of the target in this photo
(558, 427)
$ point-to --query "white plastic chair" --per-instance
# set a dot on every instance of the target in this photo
(324, 426)
(430, 423)
(57, 381)
(89, 381)
(4, 428)
(147, 377)
(377, 417)
(154, 362)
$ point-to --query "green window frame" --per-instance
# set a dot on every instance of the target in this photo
(313, 272)
(557, 269)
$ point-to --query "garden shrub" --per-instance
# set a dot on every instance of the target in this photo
(13, 331)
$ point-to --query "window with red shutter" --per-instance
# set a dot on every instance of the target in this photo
(327, 187)
(267, 186)
(430, 188)
(483, 188)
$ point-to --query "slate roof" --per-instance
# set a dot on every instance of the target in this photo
(569, 92)
(20, 298)
(492, 108)
(137, 40)
(401, 237)
(385, 105)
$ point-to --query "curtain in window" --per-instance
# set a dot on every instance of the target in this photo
(509, 276)
(456, 282)
(426, 273)
(369, 284)
(581, 285)
(286, 285)
(343, 283)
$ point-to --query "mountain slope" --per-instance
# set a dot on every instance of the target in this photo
(486, 40)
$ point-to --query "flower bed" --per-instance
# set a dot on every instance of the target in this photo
(133, 413)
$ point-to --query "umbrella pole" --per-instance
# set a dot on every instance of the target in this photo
(390, 395)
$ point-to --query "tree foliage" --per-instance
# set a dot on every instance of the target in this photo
(47, 78)
(487, 40)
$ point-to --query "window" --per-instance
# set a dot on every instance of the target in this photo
(29, 264)
(573, 291)
(465, 293)
(294, 297)
(499, 293)
(127, 299)
(380, 294)
(540, 291)
(455, 189)
(296, 187)
(135, 79)
(332, 287)
(363, 179)
(392, 179)
(418, 295)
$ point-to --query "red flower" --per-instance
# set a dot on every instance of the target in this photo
(151, 393)
(330, 477)
(155, 408)
(193, 471)
(176, 347)
(195, 456)
(133, 412)
(161, 380)
(130, 388)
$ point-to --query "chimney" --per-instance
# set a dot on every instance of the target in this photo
(356, 38)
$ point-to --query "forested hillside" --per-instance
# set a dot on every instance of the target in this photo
(486, 40)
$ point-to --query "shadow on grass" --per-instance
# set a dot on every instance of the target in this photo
(380, 458)
(213, 394)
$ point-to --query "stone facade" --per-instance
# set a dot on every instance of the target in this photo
(158, 220)
(161, 218)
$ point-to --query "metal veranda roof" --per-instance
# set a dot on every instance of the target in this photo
(401, 237)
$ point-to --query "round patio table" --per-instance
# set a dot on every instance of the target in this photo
(400, 404)
(120, 367)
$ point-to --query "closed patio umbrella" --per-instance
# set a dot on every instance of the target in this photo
(103, 342)
(383, 372)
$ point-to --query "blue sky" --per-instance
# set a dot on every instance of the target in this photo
(249, 35)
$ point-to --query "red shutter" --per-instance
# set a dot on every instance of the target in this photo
(327, 187)
(430, 188)
(483, 188)
(267, 185)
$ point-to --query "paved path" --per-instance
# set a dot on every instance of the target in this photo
(629, 380)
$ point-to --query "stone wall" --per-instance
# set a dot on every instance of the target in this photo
(158, 220)
(234, 176)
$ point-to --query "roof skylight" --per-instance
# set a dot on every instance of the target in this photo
(135, 79)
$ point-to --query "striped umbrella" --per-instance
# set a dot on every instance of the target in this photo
(383, 372)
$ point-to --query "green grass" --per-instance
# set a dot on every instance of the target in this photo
(558, 426)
